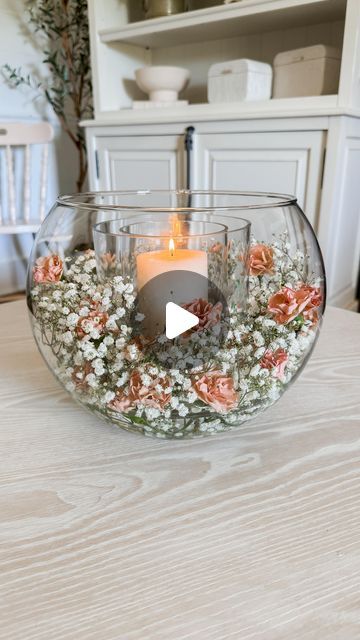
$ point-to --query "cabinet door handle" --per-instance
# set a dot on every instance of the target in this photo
(189, 145)
(97, 167)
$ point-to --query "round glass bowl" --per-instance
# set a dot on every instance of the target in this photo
(246, 266)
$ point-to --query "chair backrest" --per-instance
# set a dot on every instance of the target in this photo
(16, 215)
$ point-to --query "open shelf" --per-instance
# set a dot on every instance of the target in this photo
(266, 109)
(225, 21)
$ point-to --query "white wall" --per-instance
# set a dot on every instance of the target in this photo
(19, 105)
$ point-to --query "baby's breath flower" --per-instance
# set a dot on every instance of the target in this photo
(72, 319)
(129, 300)
(122, 379)
(174, 402)
(102, 349)
(152, 413)
(78, 358)
(89, 351)
(90, 265)
(92, 381)
(125, 329)
(111, 323)
(108, 397)
(84, 311)
(145, 379)
(183, 410)
(68, 337)
(258, 338)
(255, 371)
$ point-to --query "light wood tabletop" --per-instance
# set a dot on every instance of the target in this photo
(253, 534)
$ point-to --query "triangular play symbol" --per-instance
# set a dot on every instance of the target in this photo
(178, 320)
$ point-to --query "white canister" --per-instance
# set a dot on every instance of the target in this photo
(310, 71)
(239, 80)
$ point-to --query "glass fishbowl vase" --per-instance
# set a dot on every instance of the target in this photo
(176, 313)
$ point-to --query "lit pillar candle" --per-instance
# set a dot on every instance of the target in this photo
(172, 287)
(153, 263)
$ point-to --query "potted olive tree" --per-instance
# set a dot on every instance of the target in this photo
(61, 27)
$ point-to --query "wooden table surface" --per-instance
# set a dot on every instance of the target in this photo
(253, 534)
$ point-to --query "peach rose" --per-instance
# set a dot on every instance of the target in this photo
(312, 315)
(135, 348)
(314, 300)
(217, 390)
(261, 260)
(284, 306)
(48, 269)
(217, 248)
(95, 320)
(287, 304)
(154, 395)
(121, 403)
(209, 314)
(275, 361)
(108, 261)
(90, 303)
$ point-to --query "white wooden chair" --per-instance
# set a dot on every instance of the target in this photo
(21, 210)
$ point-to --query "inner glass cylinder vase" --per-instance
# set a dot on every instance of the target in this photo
(176, 313)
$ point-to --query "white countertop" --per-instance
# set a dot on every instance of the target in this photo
(249, 535)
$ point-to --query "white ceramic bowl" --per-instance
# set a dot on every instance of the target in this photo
(162, 83)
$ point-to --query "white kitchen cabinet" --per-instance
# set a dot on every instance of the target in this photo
(125, 162)
(282, 161)
(316, 159)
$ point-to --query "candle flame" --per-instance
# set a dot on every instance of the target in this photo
(171, 247)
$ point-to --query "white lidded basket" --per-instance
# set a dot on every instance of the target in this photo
(239, 80)
(310, 71)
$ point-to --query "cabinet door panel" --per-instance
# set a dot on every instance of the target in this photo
(140, 162)
(280, 162)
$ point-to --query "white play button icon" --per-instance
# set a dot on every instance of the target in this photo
(178, 320)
